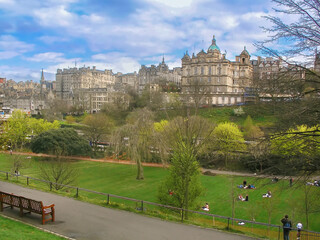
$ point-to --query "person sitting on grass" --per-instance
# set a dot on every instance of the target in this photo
(267, 195)
(206, 207)
(241, 198)
(247, 198)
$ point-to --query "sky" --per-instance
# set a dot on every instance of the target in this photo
(121, 34)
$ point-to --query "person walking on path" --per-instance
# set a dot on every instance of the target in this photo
(290, 181)
(286, 227)
(299, 227)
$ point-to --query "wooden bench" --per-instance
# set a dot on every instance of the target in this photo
(26, 204)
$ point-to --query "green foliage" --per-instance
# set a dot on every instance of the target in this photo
(63, 141)
(182, 187)
(228, 140)
(19, 128)
(292, 143)
(70, 119)
(251, 132)
(159, 126)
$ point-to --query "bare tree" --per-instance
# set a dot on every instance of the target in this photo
(58, 171)
(296, 78)
(196, 93)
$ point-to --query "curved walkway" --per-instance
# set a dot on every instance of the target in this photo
(80, 220)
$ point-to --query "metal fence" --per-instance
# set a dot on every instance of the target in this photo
(250, 228)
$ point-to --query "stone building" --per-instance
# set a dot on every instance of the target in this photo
(68, 80)
(208, 78)
(93, 99)
(158, 75)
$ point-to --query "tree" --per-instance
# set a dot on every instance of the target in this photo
(70, 119)
(58, 171)
(134, 138)
(185, 139)
(62, 141)
(97, 127)
(197, 93)
(19, 128)
(228, 140)
(300, 147)
(251, 132)
(302, 39)
(182, 187)
(57, 108)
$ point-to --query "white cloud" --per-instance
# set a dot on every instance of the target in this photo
(10, 43)
(8, 54)
(174, 3)
(19, 73)
(47, 57)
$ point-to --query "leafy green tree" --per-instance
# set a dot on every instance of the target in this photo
(62, 141)
(251, 132)
(228, 140)
(182, 187)
(300, 151)
(184, 139)
(19, 128)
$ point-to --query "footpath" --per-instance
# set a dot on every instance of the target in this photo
(80, 220)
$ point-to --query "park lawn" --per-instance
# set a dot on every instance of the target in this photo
(121, 180)
(10, 229)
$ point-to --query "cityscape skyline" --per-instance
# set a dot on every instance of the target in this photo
(121, 35)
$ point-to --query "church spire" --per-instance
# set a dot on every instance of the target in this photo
(42, 76)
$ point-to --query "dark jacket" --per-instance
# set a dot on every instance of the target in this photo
(284, 221)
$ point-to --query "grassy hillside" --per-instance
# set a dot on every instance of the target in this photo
(120, 180)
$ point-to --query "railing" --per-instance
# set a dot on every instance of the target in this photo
(260, 229)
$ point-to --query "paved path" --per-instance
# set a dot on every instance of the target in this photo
(81, 220)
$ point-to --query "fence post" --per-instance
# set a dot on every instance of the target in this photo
(27, 180)
(228, 223)
(50, 186)
(77, 194)
(182, 215)
(279, 233)
(142, 206)
(108, 201)
(7, 175)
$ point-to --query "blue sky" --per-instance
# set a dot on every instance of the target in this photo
(120, 34)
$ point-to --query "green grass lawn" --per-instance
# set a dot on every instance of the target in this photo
(120, 180)
(10, 229)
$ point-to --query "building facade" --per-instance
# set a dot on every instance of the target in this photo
(158, 75)
(68, 80)
(208, 78)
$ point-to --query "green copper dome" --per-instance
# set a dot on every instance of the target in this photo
(213, 45)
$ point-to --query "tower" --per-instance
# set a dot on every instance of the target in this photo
(41, 83)
(317, 62)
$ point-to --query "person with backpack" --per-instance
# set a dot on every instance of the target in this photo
(286, 227)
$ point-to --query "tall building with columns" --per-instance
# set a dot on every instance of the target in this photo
(209, 78)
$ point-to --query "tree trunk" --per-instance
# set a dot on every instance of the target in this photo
(140, 175)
